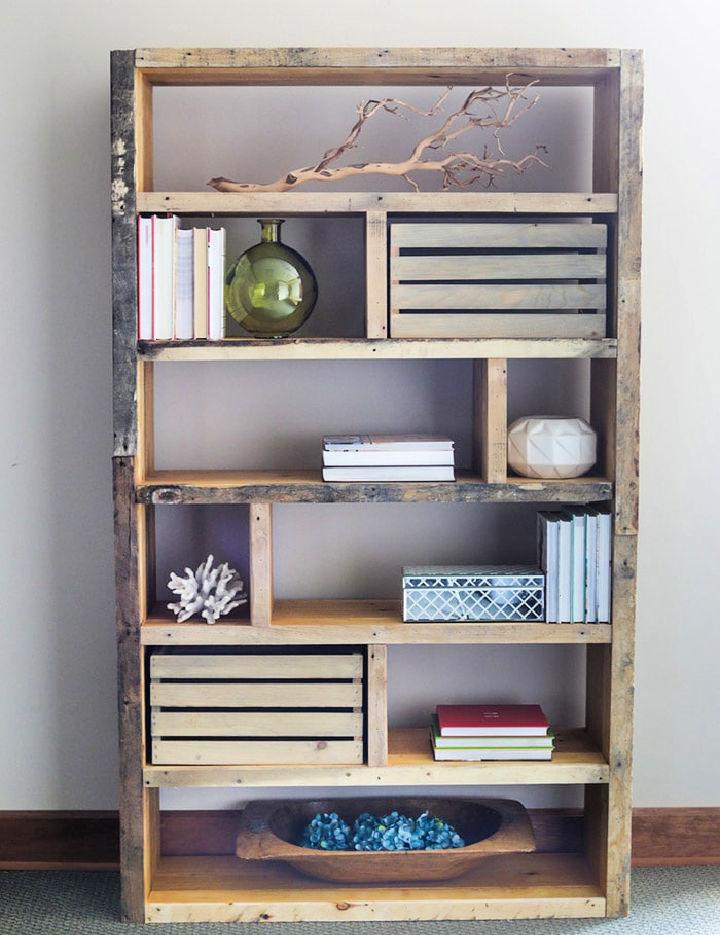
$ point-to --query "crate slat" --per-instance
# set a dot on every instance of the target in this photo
(525, 266)
(251, 752)
(256, 695)
(506, 325)
(482, 296)
(347, 666)
(256, 724)
(536, 235)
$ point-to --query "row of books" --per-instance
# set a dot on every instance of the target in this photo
(181, 276)
(574, 551)
(388, 458)
(491, 732)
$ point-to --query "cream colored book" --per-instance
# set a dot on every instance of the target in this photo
(200, 283)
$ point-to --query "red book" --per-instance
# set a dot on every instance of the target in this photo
(487, 720)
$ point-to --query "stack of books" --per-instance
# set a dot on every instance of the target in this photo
(180, 281)
(491, 732)
(388, 458)
(574, 551)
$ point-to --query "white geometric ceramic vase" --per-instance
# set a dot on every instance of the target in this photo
(551, 447)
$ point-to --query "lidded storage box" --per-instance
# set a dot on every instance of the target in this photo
(507, 593)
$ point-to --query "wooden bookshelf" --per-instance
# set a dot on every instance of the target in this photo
(592, 883)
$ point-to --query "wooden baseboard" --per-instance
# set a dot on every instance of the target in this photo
(89, 840)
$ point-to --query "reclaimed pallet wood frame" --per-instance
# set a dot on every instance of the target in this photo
(157, 887)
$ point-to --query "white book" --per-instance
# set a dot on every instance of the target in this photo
(604, 560)
(357, 456)
(216, 284)
(478, 754)
(183, 284)
(390, 473)
(548, 559)
(145, 279)
(591, 566)
(510, 742)
(387, 443)
(578, 518)
(565, 565)
(200, 283)
(163, 238)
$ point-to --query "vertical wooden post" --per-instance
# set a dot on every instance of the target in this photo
(490, 419)
(143, 133)
(261, 564)
(377, 707)
(145, 459)
(622, 672)
(376, 282)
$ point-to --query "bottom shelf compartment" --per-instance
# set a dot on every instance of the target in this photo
(226, 889)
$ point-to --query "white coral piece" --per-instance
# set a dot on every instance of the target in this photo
(215, 591)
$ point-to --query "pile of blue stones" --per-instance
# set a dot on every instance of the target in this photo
(393, 832)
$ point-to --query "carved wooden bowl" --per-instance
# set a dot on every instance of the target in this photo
(271, 830)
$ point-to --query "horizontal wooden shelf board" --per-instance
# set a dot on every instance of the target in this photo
(224, 888)
(357, 622)
(410, 762)
(333, 202)
(379, 349)
(174, 487)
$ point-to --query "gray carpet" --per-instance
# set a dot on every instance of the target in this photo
(666, 901)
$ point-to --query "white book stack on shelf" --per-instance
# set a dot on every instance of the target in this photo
(388, 458)
(181, 281)
(574, 551)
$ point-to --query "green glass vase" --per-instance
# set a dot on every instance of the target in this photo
(270, 290)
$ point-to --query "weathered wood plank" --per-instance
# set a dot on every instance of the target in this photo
(261, 564)
(321, 203)
(257, 724)
(516, 235)
(495, 297)
(490, 419)
(124, 254)
(528, 266)
(250, 752)
(626, 486)
(360, 349)
(377, 706)
(256, 695)
(307, 487)
(133, 800)
(491, 325)
(376, 248)
(340, 666)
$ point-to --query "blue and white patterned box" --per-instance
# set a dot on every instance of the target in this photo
(447, 593)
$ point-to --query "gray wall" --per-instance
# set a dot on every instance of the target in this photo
(57, 645)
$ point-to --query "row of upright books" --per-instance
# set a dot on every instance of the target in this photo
(491, 732)
(181, 276)
(388, 458)
(574, 551)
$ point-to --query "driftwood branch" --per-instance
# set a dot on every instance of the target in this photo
(489, 108)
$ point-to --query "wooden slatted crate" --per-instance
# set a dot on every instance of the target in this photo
(504, 280)
(247, 709)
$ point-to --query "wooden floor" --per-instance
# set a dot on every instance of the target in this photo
(187, 889)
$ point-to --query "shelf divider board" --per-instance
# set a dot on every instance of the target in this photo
(261, 565)
(225, 889)
(376, 719)
(376, 306)
(490, 419)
